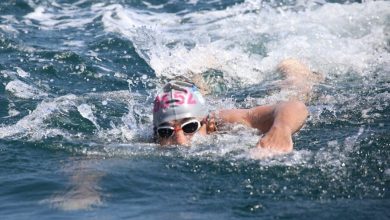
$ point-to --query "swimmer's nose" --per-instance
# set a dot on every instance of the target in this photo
(180, 138)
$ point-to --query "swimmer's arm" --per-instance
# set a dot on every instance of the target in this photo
(278, 122)
(83, 193)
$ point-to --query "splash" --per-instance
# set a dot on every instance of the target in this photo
(242, 43)
(24, 90)
(63, 117)
(333, 38)
(245, 41)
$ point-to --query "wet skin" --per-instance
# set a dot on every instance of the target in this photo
(277, 122)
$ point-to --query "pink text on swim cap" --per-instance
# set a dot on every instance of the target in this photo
(178, 98)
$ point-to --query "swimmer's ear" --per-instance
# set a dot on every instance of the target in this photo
(211, 125)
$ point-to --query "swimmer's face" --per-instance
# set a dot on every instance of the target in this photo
(180, 132)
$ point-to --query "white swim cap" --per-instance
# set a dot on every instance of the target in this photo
(178, 100)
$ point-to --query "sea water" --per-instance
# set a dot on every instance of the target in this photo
(77, 83)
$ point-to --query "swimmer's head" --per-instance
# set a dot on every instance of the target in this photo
(176, 101)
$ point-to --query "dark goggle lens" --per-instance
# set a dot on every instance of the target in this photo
(191, 127)
(165, 132)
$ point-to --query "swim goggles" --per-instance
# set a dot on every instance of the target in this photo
(188, 127)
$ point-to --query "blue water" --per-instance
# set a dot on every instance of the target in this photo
(77, 84)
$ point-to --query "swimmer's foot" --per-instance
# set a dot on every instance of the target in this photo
(298, 78)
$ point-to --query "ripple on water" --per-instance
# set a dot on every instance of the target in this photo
(77, 84)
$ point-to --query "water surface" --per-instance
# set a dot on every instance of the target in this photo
(77, 84)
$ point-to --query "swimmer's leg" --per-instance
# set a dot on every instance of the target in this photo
(299, 79)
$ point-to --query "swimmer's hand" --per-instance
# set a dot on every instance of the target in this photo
(277, 139)
(278, 122)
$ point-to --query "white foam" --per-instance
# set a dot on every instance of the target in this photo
(37, 125)
(39, 14)
(153, 6)
(22, 73)
(11, 110)
(33, 125)
(50, 18)
(329, 37)
(25, 91)
(8, 29)
(246, 40)
(75, 43)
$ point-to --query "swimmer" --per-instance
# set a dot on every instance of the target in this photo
(180, 112)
